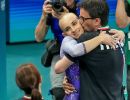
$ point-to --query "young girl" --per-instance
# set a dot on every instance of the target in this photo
(28, 79)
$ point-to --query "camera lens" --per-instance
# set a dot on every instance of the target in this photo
(58, 6)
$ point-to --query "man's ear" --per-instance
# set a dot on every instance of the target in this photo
(97, 21)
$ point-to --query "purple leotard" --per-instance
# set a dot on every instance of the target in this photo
(70, 46)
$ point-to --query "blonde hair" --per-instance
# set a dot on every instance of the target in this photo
(60, 20)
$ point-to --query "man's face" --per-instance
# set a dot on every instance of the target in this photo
(71, 26)
(69, 3)
(86, 21)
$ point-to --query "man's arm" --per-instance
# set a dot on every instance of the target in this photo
(42, 28)
(122, 19)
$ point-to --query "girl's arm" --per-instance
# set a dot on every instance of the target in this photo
(62, 65)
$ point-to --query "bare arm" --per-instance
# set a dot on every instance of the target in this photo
(103, 38)
(122, 19)
(62, 65)
(42, 28)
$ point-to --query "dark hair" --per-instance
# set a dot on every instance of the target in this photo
(127, 7)
(96, 9)
(28, 79)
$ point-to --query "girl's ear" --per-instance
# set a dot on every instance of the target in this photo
(63, 34)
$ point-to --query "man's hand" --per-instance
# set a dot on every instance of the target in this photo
(118, 35)
(69, 88)
(47, 8)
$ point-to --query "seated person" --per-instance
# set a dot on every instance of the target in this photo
(72, 29)
(29, 80)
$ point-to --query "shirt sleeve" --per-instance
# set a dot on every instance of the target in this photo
(71, 47)
(73, 59)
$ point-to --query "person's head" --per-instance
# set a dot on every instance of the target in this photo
(70, 25)
(93, 14)
(70, 3)
(28, 79)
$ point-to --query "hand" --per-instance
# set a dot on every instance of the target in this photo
(108, 39)
(47, 8)
(69, 3)
(58, 15)
(69, 88)
(118, 35)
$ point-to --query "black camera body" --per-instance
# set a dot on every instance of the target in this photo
(57, 5)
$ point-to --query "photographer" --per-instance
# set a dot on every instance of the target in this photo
(49, 18)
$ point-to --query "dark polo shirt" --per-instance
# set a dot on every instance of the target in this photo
(101, 72)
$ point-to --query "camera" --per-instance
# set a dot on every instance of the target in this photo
(57, 5)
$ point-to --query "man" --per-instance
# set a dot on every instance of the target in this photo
(101, 70)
